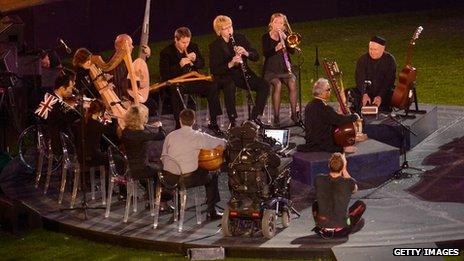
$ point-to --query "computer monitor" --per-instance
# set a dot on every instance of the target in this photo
(282, 136)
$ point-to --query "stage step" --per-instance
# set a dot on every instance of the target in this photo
(372, 160)
(385, 129)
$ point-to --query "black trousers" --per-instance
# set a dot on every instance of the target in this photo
(257, 84)
(203, 88)
(354, 214)
(199, 177)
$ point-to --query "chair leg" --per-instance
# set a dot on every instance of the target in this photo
(92, 182)
(176, 205)
(183, 203)
(151, 196)
(197, 204)
(130, 194)
(103, 184)
(110, 195)
(134, 195)
(157, 205)
(64, 171)
(49, 173)
(39, 168)
(76, 182)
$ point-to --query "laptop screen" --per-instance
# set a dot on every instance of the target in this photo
(281, 136)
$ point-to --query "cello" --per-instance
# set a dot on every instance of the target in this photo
(345, 134)
(402, 94)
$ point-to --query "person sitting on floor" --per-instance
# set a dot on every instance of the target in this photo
(333, 193)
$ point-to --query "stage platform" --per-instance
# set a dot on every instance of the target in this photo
(425, 210)
(373, 160)
(387, 128)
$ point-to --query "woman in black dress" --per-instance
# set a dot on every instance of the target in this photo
(277, 67)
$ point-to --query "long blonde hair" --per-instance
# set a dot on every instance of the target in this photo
(136, 117)
(276, 15)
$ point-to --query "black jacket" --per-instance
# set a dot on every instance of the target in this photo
(220, 54)
(170, 58)
(320, 120)
(136, 143)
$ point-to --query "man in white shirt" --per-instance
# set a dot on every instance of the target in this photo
(181, 149)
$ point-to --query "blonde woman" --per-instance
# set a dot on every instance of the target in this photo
(277, 67)
(135, 138)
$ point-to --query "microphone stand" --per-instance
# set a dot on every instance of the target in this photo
(400, 174)
(317, 63)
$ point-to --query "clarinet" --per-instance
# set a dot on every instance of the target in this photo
(250, 99)
(242, 64)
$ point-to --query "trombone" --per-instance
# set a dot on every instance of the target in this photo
(293, 39)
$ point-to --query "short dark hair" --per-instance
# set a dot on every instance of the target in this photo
(336, 162)
(182, 32)
(64, 78)
(187, 117)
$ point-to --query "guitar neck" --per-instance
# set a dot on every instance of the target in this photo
(409, 56)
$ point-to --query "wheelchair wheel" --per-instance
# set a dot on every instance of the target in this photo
(285, 217)
(268, 223)
(30, 142)
(225, 223)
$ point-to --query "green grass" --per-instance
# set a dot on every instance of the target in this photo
(46, 245)
(438, 54)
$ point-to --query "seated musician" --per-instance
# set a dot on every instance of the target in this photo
(320, 121)
(59, 115)
(117, 68)
(97, 125)
(81, 62)
(277, 68)
(183, 146)
(228, 64)
(135, 138)
(181, 57)
(120, 73)
(333, 193)
(375, 76)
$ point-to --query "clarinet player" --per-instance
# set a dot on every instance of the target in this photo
(228, 64)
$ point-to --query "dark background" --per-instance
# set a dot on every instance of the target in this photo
(95, 23)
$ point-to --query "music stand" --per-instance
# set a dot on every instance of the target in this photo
(400, 174)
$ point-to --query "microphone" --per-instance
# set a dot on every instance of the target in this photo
(68, 50)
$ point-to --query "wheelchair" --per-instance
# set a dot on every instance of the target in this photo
(258, 200)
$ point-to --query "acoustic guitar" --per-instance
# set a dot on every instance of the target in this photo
(402, 94)
(212, 159)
